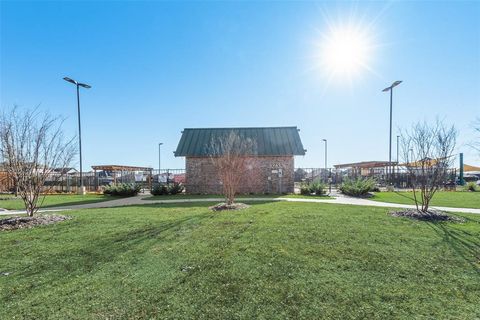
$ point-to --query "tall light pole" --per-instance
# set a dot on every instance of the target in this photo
(398, 160)
(396, 83)
(325, 140)
(86, 86)
(159, 159)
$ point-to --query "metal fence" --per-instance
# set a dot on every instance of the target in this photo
(398, 178)
(334, 176)
(95, 181)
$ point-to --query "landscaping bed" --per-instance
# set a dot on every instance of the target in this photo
(14, 223)
(431, 215)
(225, 206)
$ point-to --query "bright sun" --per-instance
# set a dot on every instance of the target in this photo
(345, 51)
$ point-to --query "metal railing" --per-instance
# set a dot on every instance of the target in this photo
(400, 177)
(96, 181)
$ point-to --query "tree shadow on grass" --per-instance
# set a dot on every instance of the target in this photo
(466, 245)
(411, 198)
(97, 252)
(16, 203)
(79, 202)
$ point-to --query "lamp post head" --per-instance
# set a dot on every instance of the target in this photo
(84, 85)
(396, 83)
(70, 80)
(324, 140)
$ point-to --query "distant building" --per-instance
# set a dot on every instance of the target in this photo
(271, 168)
(65, 171)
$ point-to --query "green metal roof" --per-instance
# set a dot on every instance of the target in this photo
(273, 141)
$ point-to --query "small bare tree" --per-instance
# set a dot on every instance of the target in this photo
(427, 151)
(475, 144)
(230, 157)
(32, 145)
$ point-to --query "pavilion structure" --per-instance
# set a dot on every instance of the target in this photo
(366, 168)
(121, 171)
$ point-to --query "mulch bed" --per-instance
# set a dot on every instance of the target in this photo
(233, 206)
(30, 222)
(431, 215)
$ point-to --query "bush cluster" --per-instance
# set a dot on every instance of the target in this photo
(471, 186)
(358, 187)
(161, 189)
(122, 189)
(314, 187)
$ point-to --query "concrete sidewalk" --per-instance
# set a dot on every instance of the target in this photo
(137, 200)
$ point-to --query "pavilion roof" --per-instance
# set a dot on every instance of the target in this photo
(115, 167)
(365, 164)
(469, 168)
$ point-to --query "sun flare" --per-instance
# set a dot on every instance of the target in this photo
(345, 51)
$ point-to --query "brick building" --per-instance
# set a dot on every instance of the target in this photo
(269, 170)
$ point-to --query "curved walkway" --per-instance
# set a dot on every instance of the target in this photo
(138, 200)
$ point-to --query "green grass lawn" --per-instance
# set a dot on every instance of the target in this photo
(459, 199)
(270, 261)
(55, 200)
(242, 196)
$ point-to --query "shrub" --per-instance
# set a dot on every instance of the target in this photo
(175, 188)
(471, 186)
(122, 190)
(162, 190)
(305, 188)
(108, 190)
(357, 187)
(315, 187)
(159, 190)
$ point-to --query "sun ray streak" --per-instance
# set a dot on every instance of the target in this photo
(347, 45)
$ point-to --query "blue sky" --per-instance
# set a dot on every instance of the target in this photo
(158, 67)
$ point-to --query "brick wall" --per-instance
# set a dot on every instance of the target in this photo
(6, 182)
(263, 175)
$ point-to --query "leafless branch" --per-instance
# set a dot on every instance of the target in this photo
(475, 144)
(427, 152)
(231, 155)
(32, 145)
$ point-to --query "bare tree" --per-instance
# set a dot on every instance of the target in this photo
(231, 155)
(427, 151)
(32, 145)
(475, 144)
